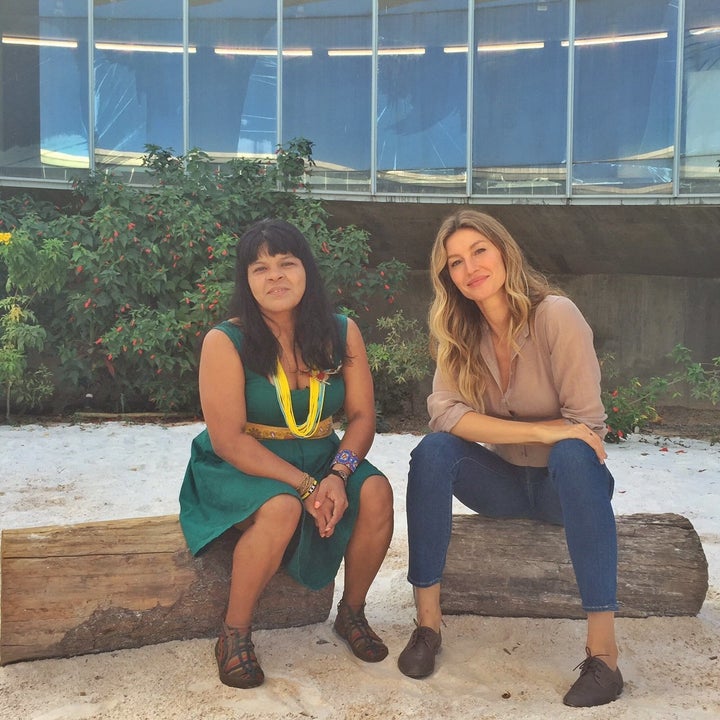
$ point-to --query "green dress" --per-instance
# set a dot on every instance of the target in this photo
(216, 495)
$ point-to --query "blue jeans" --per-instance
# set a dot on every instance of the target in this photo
(574, 491)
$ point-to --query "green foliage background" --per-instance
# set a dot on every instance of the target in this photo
(113, 295)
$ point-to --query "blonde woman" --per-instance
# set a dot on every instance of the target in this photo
(518, 429)
(270, 463)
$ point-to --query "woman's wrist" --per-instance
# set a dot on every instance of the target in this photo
(307, 486)
(348, 459)
(340, 471)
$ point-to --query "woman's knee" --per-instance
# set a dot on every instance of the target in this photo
(574, 465)
(376, 500)
(434, 455)
(280, 513)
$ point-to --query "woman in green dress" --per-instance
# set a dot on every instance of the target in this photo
(269, 461)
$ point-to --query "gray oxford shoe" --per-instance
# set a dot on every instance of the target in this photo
(597, 684)
(417, 660)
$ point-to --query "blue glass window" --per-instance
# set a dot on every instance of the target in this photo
(233, 78)
(520, 98)
(138, 79)
(624, 120)
(43, 89)
(326, 88)
(422, 97)
(700, 158)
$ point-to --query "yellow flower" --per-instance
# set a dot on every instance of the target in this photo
(15, 314)
(5, 238)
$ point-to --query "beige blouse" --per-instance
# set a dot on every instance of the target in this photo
(554, 374)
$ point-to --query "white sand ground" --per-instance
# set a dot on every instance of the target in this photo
(489, 667)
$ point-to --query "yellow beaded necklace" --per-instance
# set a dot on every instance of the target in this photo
(317, 398)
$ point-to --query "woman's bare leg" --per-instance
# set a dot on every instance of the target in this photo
(258, 554)
(370, 539)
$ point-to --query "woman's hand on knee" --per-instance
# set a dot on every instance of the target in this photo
(557, 430)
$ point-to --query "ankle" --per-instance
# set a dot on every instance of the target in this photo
(237, 627)
(352, 604)
(429, 617)
(607, 653)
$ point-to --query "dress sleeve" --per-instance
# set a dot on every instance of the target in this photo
(573, 362)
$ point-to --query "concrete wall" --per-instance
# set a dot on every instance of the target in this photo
(646, 277)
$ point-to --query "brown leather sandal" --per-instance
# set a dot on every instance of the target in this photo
(237, 664)
(354, 629)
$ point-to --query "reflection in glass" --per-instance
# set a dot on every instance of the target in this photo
(520, 98)
(624, 115)
(43, 89)
(138, 79)
(218, 90)
(327, 81)
(700, 159)
(422, 97)
(233, 78)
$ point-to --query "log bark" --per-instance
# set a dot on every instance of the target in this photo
(71, 590)
(521, 568)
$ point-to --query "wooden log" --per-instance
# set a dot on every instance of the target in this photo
(71, 590)
(521, 568)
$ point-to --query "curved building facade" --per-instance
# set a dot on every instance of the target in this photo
(500, 101)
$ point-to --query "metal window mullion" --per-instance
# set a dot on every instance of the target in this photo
(679, 81)
(279, 80)
(570, 100)
(186, 77)
(91, 84)
(470, 108)
(374, 98)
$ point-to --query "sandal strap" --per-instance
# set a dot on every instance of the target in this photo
(355, 629)
(235, 652)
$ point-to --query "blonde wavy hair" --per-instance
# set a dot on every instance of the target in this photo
(456, 323)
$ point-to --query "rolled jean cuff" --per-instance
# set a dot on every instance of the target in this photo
(423, 584)
(611, 607)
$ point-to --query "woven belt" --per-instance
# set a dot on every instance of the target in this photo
(270, 432)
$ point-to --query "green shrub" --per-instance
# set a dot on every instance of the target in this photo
(631, 406)
(126, 281)
(20, 334)
(398, 363)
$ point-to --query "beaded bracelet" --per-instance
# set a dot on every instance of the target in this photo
(310, 490)
(307, 486)
(347, 458)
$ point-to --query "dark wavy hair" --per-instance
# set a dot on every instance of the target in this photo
(316, 329)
